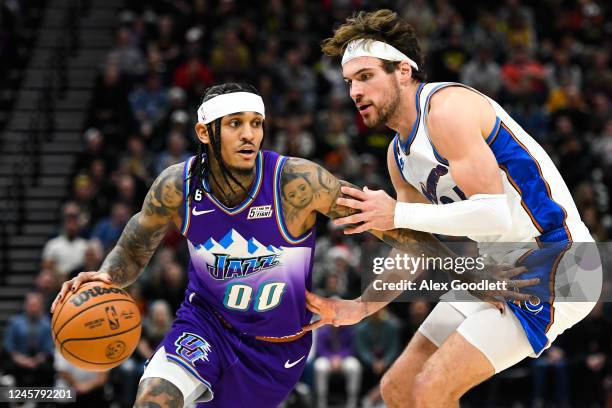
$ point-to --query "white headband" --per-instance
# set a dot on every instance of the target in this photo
(227, 104)
(373, 48)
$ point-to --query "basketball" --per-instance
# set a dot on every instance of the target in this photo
(97, 327)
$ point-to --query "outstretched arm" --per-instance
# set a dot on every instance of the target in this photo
(141, 235)
(458, 121)
(325, 197)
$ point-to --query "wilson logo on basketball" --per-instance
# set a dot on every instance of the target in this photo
(92, 293)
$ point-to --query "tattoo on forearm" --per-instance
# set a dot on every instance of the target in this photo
(145, 230)
(412, 242)
(156, 392)
(338, 211)
(133, 251)
(326, 180)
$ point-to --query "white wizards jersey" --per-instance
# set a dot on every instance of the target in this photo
(541, 206)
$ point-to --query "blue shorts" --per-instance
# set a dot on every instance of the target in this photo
(239, 370)
(537, 317)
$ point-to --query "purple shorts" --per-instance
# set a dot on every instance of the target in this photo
(240, 370)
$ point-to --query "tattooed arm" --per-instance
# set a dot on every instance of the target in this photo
(308, 188)
(141, 235)
(145, 230)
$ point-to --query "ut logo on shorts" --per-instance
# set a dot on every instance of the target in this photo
(192, 347)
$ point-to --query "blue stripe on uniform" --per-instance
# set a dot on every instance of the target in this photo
(525, 174)
(185, 224)
(396, 155)
(415, 125)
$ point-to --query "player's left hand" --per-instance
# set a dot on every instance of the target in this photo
(338, 312)
(377, 210)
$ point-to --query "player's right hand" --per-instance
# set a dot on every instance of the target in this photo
(507, 275)
(338, 312)
(73, 284)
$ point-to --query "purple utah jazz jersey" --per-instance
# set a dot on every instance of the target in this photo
(244, 263)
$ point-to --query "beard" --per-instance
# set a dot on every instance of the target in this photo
(240, 171)
(386, 111)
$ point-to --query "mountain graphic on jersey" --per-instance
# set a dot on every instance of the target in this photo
(234, 256)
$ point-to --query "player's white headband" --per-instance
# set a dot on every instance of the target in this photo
(373, 48)
(227, 104)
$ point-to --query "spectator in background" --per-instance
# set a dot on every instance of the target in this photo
(599, 74)
(166, 41)
(94, 149)
(176, 152)
(367, 174)
(92, 206)
(108, 230)
(129, 190)
(574, 160)
(334, 356)
(66, 251)
(483, 73)
(138, 158)
(485, 33)
(129, 58)
(98, 174)
(561, 70)
(154, 327)
(168, 283)
(523, 77)
(149, 103)
(418, 310)
(376, 345)
(519, 31)
(177, 118)
(294, 139)
(193, 76)
(590, 344)
(297, 77)
(88, 385)
(230, 58)
(47, 284)
(94, 255)
(448, 61)
(109, 110)
(553, 359)
(602, 146)
(28, 343)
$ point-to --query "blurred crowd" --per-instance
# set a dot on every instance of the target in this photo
(547, 62)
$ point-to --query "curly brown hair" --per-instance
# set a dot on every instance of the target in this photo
(382, 25)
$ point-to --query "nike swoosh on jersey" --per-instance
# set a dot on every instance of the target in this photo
(196, 212)
(289, 365)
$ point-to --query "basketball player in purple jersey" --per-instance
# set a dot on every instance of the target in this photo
(248, 216)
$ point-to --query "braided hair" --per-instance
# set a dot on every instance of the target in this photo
(200, 166)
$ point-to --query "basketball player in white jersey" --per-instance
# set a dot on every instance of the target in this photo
(461, 166)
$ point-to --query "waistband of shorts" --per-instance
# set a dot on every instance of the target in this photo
(270, 339)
